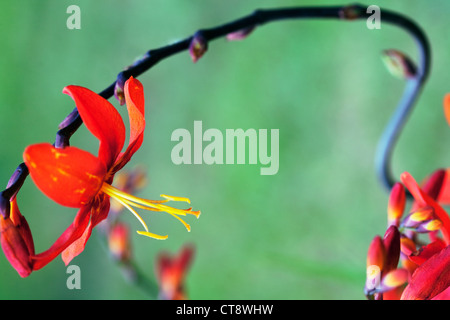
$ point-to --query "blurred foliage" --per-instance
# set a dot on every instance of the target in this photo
(300, 234)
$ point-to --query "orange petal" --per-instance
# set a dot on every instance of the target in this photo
(134, 98)
(447, 107)
(77, 246)
(69, 176)
(102, 120)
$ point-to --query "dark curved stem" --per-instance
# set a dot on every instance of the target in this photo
(259, 17)
(410, 95)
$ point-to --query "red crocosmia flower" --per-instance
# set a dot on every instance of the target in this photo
(425, 265)
(171, 272)
(75, 178)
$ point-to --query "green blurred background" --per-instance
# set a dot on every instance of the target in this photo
(300, 234)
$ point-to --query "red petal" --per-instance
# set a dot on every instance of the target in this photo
(434, 183)
(99, 211)
(413, 187)
(427, 252)
(77, 246)
(444, 196)
(72, 233)
(102, 120)
(431, 278)
(134, 98)
(69, 176)
(444, 295)
(19, 220)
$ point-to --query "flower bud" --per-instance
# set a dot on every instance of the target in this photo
(398, 64)
(198, 47)
(391, 243)
(16, 241)
(171, 272)
(407, 246)
(351, 12)
(429, 226)
(394, 279)
(396, 205)
(376, 254)
(119, 91)
(119, 242)
(416, 218)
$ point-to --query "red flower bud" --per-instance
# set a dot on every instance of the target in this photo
(396, 206)
(16, 240)
(171, 272)
(119, 242)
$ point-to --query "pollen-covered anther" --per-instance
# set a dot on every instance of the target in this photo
(130, 201)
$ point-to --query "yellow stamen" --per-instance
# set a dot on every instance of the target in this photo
(134, 212)
(172, 198)
(129, 201)
(152, 235)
